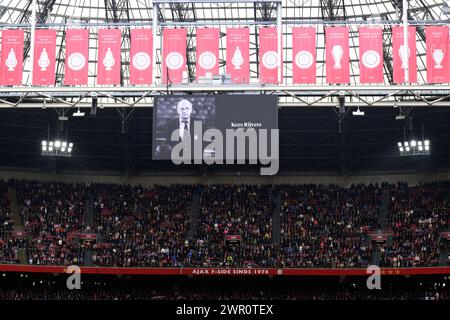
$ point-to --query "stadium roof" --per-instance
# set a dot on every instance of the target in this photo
(95, 14)
(312, 139)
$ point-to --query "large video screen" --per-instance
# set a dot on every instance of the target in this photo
(188, 119)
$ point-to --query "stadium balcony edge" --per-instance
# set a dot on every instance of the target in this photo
(226, 271)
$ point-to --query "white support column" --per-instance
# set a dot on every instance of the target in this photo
(155, 34)
(32, 36)
(279, 42)
(405, 38)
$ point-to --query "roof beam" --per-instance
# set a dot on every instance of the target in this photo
(42, 14)
(333, 9)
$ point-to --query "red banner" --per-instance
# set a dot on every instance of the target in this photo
(88, 236)
(207, 51)
(12, 57)
(304, 54)
(228, 271)
(437, 54)
(44, 57)
(238, 65)
(174, 55)
(141, 55)
(268, 56)
(371, 55)
(404, 56)
(77, 57)
(337, 55)
(108, 64)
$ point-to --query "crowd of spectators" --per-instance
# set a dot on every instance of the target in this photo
(8, 249)
(321, 226)
(243, 210)
(417, 216)
(51, 212)
(141, 226)
(328, 226)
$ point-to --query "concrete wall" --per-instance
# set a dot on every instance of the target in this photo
(81, 177)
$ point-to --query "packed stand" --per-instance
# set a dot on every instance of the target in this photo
(328, 226)
(321, 226)
(243, 210)
(8, 245)
(52, 213)
(141, 226)
(417, 216)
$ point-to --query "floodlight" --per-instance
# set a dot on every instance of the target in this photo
(56, 148)
(414, 148)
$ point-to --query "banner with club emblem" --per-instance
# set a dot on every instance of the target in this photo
(77, 57)
(141, 54)
(304, 55)
(370, 55)
(174, 55)
(207, 51)
(268, 56)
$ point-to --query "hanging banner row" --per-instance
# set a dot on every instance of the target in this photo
(237, 55)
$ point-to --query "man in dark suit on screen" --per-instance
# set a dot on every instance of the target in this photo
(184, 122)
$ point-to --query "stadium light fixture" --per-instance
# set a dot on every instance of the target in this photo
(358, 112)
(414, 148)
(78, 113)
(57, 148)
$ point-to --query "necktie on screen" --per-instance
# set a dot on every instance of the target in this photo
(185, 129)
